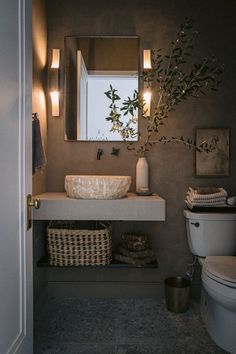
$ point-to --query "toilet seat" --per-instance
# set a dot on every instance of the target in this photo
(221, 269)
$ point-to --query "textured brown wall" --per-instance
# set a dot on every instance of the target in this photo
(39, 38)
(171, 167)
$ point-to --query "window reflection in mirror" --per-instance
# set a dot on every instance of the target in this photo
(92, 64)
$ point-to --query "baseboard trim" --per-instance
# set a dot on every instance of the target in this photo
(106, 289)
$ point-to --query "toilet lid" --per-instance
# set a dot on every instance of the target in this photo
(221, 268)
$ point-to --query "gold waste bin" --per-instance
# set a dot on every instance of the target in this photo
(177, 294)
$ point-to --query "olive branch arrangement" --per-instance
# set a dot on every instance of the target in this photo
(171, 82)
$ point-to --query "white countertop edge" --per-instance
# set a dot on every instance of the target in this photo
(57, 206)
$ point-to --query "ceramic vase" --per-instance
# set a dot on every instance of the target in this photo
(142, 175)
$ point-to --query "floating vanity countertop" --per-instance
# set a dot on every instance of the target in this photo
(57, 206)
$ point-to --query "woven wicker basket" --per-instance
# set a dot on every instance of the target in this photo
(69, 245)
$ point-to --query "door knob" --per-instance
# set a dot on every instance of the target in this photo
(31, 202)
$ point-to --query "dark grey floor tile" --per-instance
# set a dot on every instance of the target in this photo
(144, 323)
(74, 348)
(119, 326)
(162, 349)
(76, 321)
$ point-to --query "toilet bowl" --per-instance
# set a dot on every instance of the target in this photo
(218, 302)
(212, 237)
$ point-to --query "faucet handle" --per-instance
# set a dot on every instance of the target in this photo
(115, 151)
(100, 152)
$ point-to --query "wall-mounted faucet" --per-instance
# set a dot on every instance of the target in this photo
(115, 151)
(100, 152)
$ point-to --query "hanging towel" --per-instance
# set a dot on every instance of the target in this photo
(38, 153)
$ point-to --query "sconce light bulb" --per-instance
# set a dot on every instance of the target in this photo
(55, 103)
(147, 62)
(147, 96)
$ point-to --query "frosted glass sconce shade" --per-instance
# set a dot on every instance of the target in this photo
(55, 59)
(147, 61)
(147, 96)
(55, 103)
(147, 93)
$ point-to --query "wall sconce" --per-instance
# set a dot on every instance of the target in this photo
(54, 82)
(147, 92)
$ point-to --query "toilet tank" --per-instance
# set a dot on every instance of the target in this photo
(211, 234)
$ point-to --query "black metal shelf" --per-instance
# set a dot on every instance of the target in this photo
(43, 262)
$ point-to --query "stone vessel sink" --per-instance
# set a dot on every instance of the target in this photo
(97, 187)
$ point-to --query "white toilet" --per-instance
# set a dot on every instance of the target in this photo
(212, 237)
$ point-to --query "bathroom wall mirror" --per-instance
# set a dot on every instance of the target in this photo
(92, 64)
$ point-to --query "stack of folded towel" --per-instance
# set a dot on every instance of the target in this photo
(206, 197)
(134, 249)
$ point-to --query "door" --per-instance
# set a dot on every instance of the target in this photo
(15, 177)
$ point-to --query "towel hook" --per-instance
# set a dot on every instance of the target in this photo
(35, 115)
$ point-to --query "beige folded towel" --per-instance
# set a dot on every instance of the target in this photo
(207, 201)
(219, 202)
(191, 205)
(216, 198)
(207, 190)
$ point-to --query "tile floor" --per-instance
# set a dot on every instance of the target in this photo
(119, 326)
